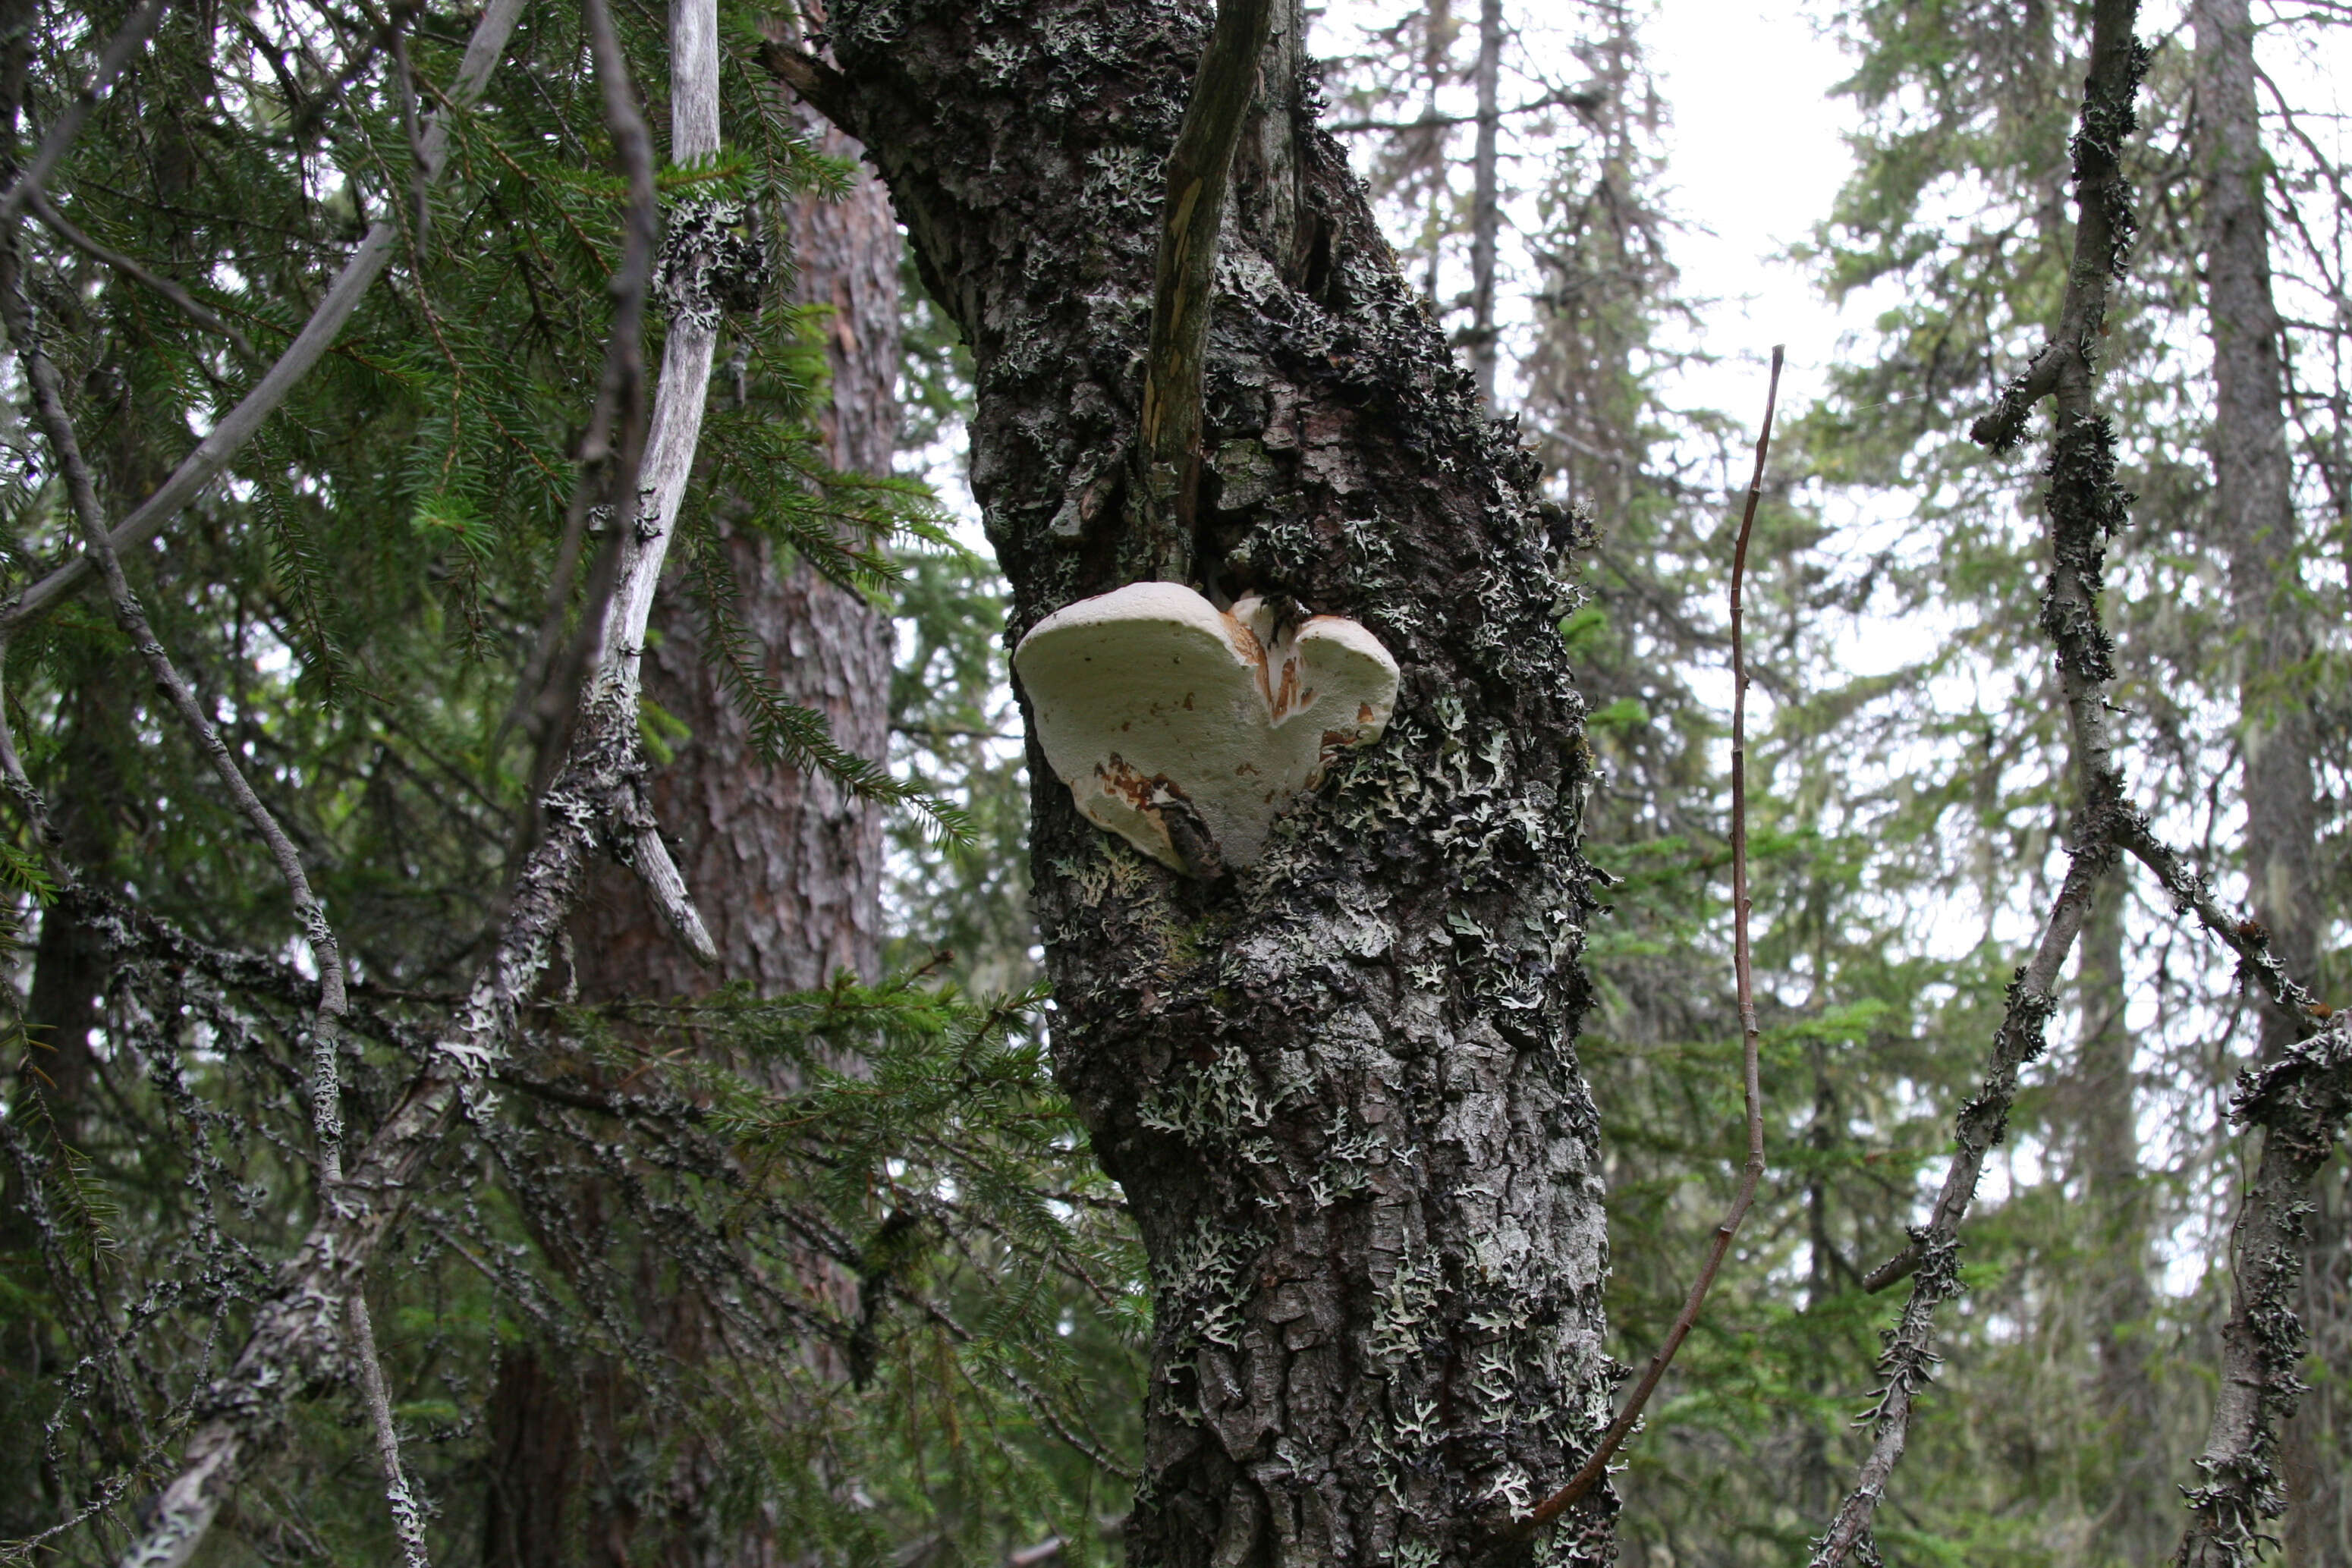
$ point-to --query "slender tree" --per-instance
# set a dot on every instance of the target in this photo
(1487, 200)
(2259, 534)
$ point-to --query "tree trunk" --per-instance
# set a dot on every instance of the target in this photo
(786, 868)
(69, 968)
(2136, 1513)
(2255, 522)
(1338, 1086)
(1486, 201)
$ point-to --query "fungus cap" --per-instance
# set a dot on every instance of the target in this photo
(1171, 720)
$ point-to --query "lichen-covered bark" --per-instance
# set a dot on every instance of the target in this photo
(2300, 1100)
(1339, 1087)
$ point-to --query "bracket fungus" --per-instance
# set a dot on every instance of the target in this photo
(1186, 729)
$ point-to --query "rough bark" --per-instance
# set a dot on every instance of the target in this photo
(533, 1458)
(2254, 522)
(1339, 1087)
(69, 964)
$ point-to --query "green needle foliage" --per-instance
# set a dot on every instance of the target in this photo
(842, 1256)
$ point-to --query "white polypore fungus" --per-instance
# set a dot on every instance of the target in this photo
(1186, 729)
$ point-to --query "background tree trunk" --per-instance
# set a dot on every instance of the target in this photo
(2255, 524)
(1485, 200)
(786, 868)
(2137, 1515)
(1339, 1087)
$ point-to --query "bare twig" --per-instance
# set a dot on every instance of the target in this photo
(407, 1519)
(132, 38)
(1743, 971)
(1932, 1260)
(659, 467)
(2246, 938)
(1197, 170)
(1582, 99)
(326, 1029)
(420, 165)
(234, 428)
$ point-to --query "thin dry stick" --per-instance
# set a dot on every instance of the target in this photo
(1750, 1041)
(234, 428)
(119, 49)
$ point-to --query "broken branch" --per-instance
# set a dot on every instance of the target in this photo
(1199, 169)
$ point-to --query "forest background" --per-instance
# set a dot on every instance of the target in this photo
(813, 1265)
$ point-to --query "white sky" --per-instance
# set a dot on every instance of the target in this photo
(1755, 156)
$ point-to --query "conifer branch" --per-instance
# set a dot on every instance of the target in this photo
(57, 428)
(1199, 169)
(1596, 1466)
(57, 223)
(296, 1343)
(234, 428)
(327, 1015)
(127, 41)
